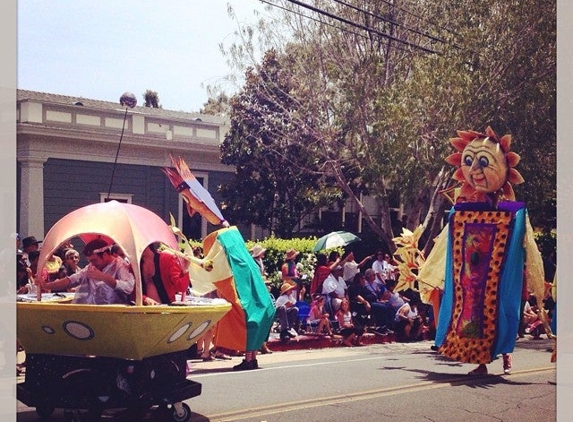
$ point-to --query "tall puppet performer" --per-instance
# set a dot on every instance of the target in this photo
(232, 272)
(489, 253)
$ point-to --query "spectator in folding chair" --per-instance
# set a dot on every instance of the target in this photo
(318, 318)
(287, 312)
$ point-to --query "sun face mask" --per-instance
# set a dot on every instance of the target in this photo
(485, 166)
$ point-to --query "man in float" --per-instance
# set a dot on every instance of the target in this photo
(105, 280)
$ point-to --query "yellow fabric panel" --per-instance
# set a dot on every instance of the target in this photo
(204, 281)
(432, 272)
(534, 272)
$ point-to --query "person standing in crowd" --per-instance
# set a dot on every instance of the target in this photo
(291, 275)
(351, 267)
(71, 261)
(30, 244)
(378, 267)
(322, 270)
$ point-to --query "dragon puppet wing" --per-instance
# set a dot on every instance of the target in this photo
(197, 198)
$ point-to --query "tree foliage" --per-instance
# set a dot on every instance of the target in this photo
(276, 184)
(217, 106)
(379, 105)
(151, 99)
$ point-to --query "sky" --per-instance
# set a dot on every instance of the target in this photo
(101, 49)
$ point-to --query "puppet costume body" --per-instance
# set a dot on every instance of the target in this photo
(479, 314)
(238, 280)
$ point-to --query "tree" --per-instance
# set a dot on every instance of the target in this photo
(383, 102)
(218, 106)
(151, 99)
(276, 184)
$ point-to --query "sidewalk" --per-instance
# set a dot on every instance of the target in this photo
(314, 341)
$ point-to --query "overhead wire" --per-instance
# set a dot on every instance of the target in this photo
(390, 21)
(361, 26)
(323, 22)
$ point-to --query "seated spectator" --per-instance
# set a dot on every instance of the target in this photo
(348, 329)
(287, 312)
(334, 287)
(321, 271)
(376, 287)
(318, 316)
(359, 298)
(290, 274)
(366, 305)
(533, 325)
(163, 274)
(408, 322)
(105, 280)
(394, 299)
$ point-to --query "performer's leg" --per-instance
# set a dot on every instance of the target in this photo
(507, 363)
(480, 370)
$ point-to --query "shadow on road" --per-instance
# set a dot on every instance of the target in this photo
(473, 381)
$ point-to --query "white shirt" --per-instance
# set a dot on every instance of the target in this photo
(350, 270)
(332, 284)
(378, 267)
(97, 292)
(283, 299)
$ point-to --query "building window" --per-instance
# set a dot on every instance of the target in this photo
(126, 198)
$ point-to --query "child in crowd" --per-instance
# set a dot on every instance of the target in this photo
(351, 333)
(318, 316)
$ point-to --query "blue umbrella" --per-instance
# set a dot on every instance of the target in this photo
(334, 240)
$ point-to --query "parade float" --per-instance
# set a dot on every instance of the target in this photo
(127, 358)
(98, 357)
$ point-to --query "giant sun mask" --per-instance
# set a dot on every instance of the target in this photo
(485, 166)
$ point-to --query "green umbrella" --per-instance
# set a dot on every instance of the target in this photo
(335, 240)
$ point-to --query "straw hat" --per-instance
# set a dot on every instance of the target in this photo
(286, 287)
(257, 251)
(291, 254)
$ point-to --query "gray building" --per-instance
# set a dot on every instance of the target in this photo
(67, 146)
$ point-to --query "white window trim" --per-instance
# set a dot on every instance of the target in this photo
(127, 197)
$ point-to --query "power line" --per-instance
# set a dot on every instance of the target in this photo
(323, 22)
(390, 21)
(364, 27)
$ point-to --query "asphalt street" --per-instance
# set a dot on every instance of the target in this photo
(395, 381)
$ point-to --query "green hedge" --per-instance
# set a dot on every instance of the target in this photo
(275, 254)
